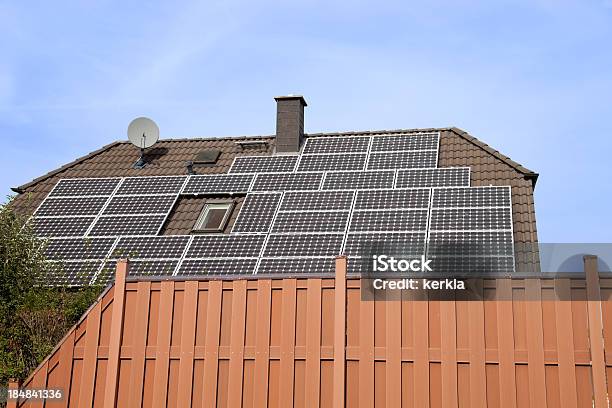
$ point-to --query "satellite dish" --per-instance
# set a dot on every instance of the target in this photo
(142, 133)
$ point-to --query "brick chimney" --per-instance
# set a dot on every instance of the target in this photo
(289, 123)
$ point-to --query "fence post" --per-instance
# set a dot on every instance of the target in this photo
(596, 344)
(114, 348)
(339, 332)
(13, 384)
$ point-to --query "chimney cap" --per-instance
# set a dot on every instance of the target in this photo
(291, 97)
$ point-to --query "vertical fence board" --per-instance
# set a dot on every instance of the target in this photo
(236, 362)
(393, 366)
(478, 389)
(535, 343)
(313, 343)
(213, 327)
(505, 338)
(188, 330)
(366, 354)
(421, 352)
(262, 342)
(565, 344)
(140, 343)
(339, 333)
(162, 357)
(448, 345)
(90, 356)
(287, 345)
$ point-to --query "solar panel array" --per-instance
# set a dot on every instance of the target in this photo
(350, 195)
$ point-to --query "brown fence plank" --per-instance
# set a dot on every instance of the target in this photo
(478, 388)
(339, 333)
(505, 339)
(140, 344)
(188, 330)
(421, 351)
(535, 343)
(313, 343)
(90, 356)
(393, 366)
(565, 344)
(448, 345)
(596, 332)
(40, 381)
(114, 349)
(262, 342)
(236, 362)
(366, 354)
(213, 327)
(287, 346)
(164, 331)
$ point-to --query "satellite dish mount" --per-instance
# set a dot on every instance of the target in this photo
(142, 133)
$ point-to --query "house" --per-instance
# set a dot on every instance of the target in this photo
(243, 284)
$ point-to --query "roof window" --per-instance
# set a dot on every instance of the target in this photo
(214, 217)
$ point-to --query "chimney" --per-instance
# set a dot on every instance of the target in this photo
(289, 123)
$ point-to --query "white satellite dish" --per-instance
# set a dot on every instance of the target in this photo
(142, 133)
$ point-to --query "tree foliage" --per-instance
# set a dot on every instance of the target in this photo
(33, 316)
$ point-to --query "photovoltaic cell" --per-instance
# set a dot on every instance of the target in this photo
(62, 226)
(264, 164)
(85, 187)
(287, 181)
(140, 205)
(257, 212)
(72, 273)
(422, 141)
(282, 266)
(78, 248)
(367, 244)
(65, 206)
(336, 145)
(441, 177)
(389, 220)
(472, 197)
(151, 247)
(402, 160)
(218, 183)
(357, 180)
(238, 266)
(303, 245)
(489, 243)
(226, 246)
(390, 199)
(289, 222)
(336, 162)
(151, 185)
(127, 225)
(317, 200)
(471, 219)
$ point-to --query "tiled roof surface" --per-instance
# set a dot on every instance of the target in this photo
(169, 157)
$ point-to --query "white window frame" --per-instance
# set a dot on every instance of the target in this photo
(229, 207)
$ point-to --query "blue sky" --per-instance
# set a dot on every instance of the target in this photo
(531, 78)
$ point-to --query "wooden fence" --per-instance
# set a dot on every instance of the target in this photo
(314, 342)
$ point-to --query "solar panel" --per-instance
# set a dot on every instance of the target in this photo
(147, 267)
(226, 246)
(485, 243)
(473, 265)
(264, 164)
(151, 247)
(71, 206)
(287, 181)
(303, 245)
(151, 185)
(127, 225)
(389, 220)
(442, 177)
(403, 160)
(472, 197)
(449, 219)
(390, 199)
(322, 221)
(85, 187)
(157, 204)
(237, 266)
(218, 183)
(357, 180)
(277, 266)
(332, 162)
(72, 273)
(257, 212)
(423, 141)
(336, 145)
(78, 248)
(62, 226)
(367, 244)
(317, 200)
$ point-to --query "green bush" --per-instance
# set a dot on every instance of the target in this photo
(33, 317)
